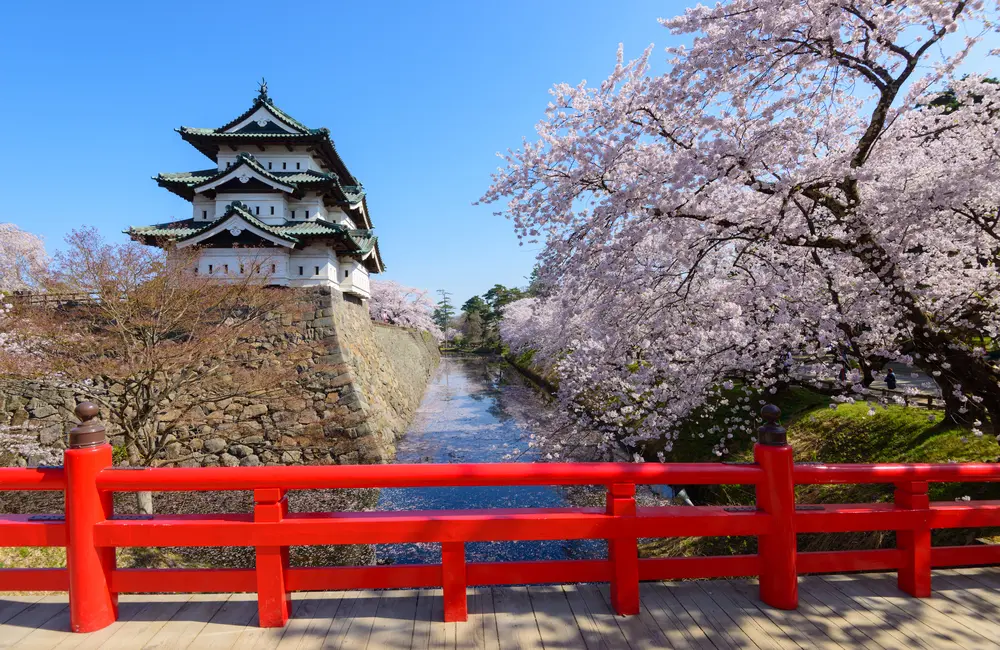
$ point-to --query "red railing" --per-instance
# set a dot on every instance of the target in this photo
(90, 531)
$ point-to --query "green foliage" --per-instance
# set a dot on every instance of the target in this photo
(846, 434)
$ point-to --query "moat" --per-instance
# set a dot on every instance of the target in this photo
(479, 410)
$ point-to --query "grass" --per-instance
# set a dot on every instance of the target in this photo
(849, 434)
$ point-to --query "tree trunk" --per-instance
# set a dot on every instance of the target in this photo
(966, 376)
(143, 500)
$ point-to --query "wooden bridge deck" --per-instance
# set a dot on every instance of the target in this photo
(856, 611)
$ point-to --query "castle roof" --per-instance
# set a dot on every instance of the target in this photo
(270, 125)
(238, 226)
(187, 184)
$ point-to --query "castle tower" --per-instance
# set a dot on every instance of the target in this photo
(280, 201)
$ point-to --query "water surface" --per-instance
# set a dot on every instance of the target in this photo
(472, 412)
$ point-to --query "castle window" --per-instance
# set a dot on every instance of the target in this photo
(317, 271)
(229, 164)
(298, 165)
(196, 270)
(256, 209)
(225, 269)
(210, 269)
(346, 273)
(204, 214)
(301, 270)
(273, 268)
(284, 165)
(272, 209)
(293, 214)
(269, 165)
(241, 269)
(307, 214)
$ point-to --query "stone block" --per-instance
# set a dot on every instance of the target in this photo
(291, 457)
(174, 450)
(307, 416)
(229, 461)
(240, 451)
(215, 445)
(250, 461)
(254, 410)
(43, 411)
(50, 434)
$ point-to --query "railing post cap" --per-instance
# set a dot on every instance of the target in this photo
(771, 432)
(89, 432)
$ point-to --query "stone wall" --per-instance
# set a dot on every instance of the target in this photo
(357, 388)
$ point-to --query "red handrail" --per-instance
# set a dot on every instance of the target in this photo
(33, 478)
(823, 474)
(90, 531)
(426, 475)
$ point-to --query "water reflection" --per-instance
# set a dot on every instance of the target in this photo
(471, 414)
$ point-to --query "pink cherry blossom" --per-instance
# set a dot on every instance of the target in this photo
(795, 182)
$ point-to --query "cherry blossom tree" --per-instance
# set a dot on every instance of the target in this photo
(790, 184)
(395, 304)
(22, 258)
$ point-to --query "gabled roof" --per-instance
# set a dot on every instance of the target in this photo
(359, 243)
(208, 141)
(187, 184)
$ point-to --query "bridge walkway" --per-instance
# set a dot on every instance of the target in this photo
(836, 611)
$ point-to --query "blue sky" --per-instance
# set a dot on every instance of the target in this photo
(419, 97)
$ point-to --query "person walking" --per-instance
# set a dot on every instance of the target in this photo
(890, 379)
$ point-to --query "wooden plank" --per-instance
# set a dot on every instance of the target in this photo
(335, 634)
(756, 625)
(310, 620)
(840, 622)
(971, 593)
(726, 629)
(47, 636)
(328, 608)
(189, 620)
(422, 621)
(37, 615)
(907, 621)
(641, 630)
(396, 615)
(806, 632)
(139, 619)
(442, 635)
(515, 618)
(10, 606)
(359, 631)
(938, 613)
(483, 620)
(698, 620)
(228, 624)
(676, 624)
(554, 617)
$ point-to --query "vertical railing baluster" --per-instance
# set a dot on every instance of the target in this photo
(274, 600)
(779, 585)
(92, 603)
(623, 551)
(914, 575)
(454, 582)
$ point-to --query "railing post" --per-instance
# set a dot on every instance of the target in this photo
(779, 585)
(274, 600)
(92, 603)
(914, 575)
(454, 582)
(623, 552)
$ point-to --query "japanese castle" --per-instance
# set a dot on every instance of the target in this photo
(279, 201)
